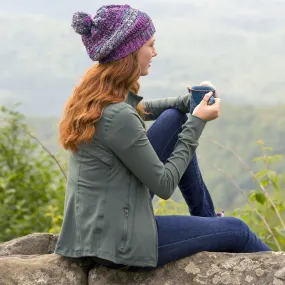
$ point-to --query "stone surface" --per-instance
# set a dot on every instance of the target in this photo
(36, 243)
(29, 260)
(47, 269)
(203, 269)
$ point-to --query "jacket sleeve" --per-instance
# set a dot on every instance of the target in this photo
(126, 137)
(155, 107)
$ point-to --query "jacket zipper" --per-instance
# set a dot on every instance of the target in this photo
(125, 230)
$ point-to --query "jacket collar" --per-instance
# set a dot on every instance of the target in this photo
(133, 99)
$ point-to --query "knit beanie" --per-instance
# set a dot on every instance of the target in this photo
(114, 32)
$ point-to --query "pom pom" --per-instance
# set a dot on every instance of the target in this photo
(82, 23)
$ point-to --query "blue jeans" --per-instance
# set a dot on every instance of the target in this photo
(181, 236)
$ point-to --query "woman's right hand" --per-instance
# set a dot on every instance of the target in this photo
(208, 112)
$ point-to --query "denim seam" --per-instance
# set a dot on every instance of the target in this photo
(228, 232)
(198, 174)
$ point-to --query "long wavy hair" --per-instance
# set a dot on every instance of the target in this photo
(102, 85)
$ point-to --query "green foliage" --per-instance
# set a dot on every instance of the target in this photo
(268, 200)
(31, 184)
(238, 128)
(169, 207)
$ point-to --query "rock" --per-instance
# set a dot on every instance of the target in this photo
(31, 244)
(204, 268)
(47, 269)
(26, 261)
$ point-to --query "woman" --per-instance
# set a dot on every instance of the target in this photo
(116, 167)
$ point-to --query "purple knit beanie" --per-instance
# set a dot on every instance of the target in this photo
(114, 32)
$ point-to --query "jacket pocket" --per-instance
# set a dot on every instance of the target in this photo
(124, 238)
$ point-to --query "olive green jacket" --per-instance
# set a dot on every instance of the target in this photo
(108, 211)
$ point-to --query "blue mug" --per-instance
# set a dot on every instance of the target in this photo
(198, 93)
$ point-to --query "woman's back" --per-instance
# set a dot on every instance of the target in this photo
(107, 208)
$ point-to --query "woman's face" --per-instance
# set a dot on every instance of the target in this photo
(146, 53)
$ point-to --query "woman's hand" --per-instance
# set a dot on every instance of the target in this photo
(208, 112)
(206, 83)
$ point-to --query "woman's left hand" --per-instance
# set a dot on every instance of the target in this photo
(206, 83)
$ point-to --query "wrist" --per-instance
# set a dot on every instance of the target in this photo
(203, 120)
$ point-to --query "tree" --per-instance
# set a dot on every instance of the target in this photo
(32, 185)
(265, 212)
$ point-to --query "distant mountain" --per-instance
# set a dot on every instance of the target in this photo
(237, 44)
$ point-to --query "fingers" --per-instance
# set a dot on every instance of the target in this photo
(205, 83)
(218, 101)
(218, 105)
(207, 97)
(216, 108)
(208, 83)
(188, 88)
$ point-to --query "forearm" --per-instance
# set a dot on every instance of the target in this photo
(153, 108)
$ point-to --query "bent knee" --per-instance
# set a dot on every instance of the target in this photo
(175, 115)
(239, 234)
(235, 224)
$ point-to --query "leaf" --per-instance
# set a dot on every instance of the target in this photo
(251, 195)
(261, 173)
(260, 198)
(272, 175)
(264, 183)
(3, 183)
(10, 191)
(257, 196)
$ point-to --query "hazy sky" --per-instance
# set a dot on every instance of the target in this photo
(237, 44)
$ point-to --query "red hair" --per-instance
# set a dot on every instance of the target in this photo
(102, 85)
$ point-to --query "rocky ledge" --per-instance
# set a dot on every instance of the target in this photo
(30, 260)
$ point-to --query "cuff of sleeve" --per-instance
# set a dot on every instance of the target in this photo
(192, 130)
(199, 119)
(197, 126)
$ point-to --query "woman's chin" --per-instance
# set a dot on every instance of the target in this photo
(145, 72)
